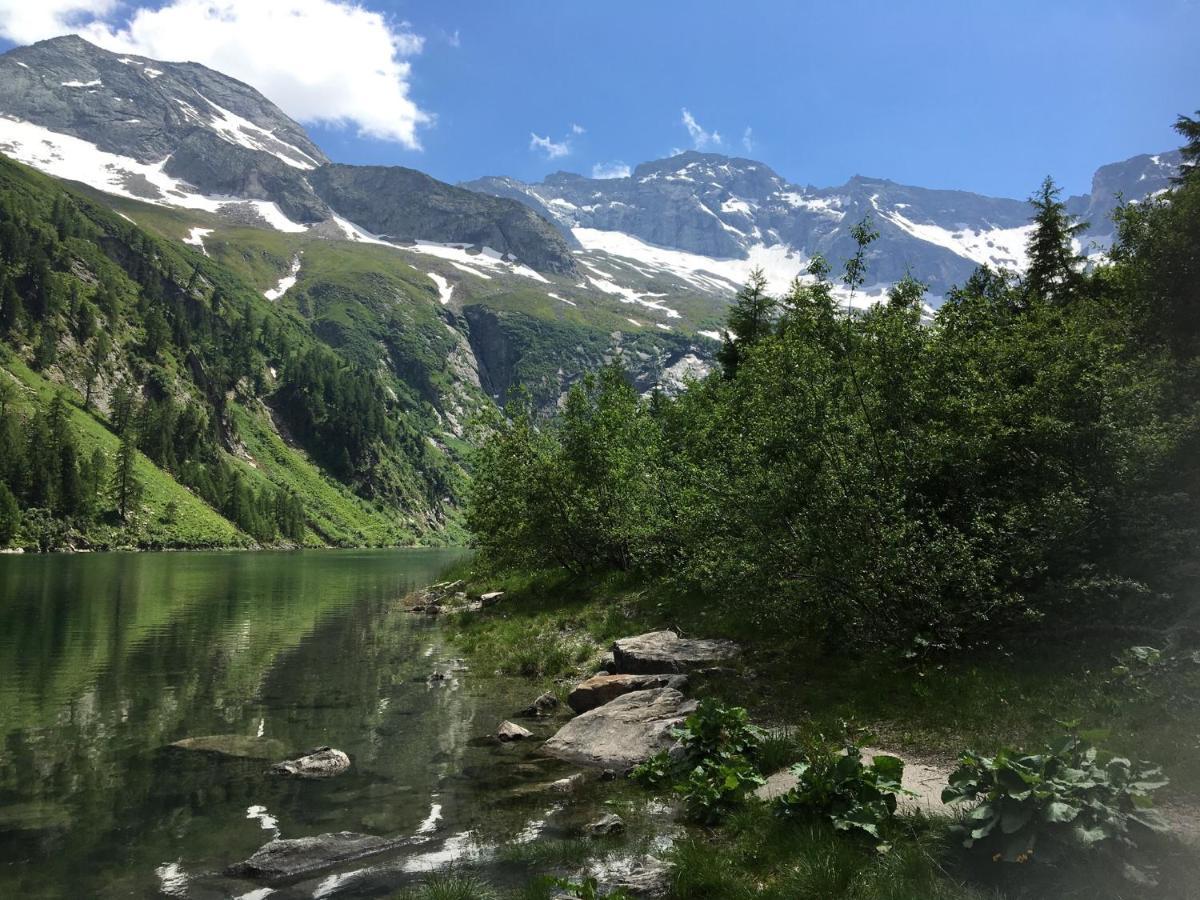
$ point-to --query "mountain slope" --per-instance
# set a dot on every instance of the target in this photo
(244, 426)
(180, 134)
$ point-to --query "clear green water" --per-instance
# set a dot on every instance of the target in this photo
(107, 659)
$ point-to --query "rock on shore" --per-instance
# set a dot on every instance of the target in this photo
(601, 689)
(622, 733)
(664, 651)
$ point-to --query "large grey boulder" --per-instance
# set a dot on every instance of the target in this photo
(665, 651)
(284, 860)
(322, 762)
(601, 689)
(622, 733)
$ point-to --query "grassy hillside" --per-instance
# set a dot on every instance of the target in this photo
(230, 420)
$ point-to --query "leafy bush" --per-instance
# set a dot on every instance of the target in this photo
(876, 480)
(1072, 796)
(840, 786)
(713, 766)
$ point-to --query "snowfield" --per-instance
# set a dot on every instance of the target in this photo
(286, 283)
(445, 288)
(64, 156)
(196, 238)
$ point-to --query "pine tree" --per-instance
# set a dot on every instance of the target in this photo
(1053, 270)
(750, 320)
(1189, 128)
(10, 515)
(127, 490)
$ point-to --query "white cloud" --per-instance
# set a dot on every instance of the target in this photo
(615, 169)
(700, 137)
(552, 149)
(24, 22)
(328, 61)
(748, 139)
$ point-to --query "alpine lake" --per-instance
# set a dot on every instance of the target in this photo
(106, 660)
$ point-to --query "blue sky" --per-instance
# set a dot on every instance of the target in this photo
(984, 96)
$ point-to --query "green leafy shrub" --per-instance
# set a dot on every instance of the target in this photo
(839, 785)
(1072, 796)
(713, 767)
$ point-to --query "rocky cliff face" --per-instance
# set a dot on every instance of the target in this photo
(402, 205)
(727, 208)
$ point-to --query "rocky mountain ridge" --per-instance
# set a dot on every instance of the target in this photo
(181, 134)
(728, 208)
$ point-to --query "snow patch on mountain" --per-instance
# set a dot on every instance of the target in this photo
(445, 288)
(242, 132)
(997, 247)
(780, 263)
(286, 283)
(64, 156)
(196, 238)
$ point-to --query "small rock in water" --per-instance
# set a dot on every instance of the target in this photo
(650, 877)
(610, 823)
(322, 762)
(567, 785)
(491, 598)
(511, 731)
(542, 706)
(287, 859)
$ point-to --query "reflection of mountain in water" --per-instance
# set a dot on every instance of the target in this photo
(104, 660)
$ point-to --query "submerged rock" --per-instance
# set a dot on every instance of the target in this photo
(609, 823)
(236, 745)
(665, 651)
(283, 860)
(542, 706)
(601, 689)
(511, 731)
(624, 732)
(568, 785)
(322, 762)
(649, 877)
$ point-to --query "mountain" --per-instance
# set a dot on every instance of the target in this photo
(709, 218)
(180, 134)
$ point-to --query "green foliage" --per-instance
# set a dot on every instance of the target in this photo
(451, 886)
(1071, 796)
(1027, 457)
(572, 490)
(173, 346)
(713, 767)
(10, 515)
(589, 889)
(760, 856)
(838, 785)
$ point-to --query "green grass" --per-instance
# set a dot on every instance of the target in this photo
(757, 855)
(194, 524)
(551, 628)
(336, 515)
